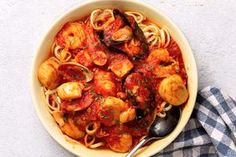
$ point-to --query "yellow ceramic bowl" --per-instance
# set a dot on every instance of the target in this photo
(80, 11)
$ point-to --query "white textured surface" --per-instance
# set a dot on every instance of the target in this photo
(209, 25)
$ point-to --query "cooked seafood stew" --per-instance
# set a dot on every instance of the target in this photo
(109, 75)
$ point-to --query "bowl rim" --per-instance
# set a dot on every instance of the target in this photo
(89, 2)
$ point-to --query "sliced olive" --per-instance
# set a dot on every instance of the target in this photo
(139, 114)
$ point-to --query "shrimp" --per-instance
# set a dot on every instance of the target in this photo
(166, 68)
(122, 143)
(84, 58)
(114, 111)
(160, 54)
(163, 64)
(71, 36)
(68, 127)
(58, 116)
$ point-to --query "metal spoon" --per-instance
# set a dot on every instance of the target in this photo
(160, 128)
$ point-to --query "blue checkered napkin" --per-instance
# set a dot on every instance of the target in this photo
(211, 131)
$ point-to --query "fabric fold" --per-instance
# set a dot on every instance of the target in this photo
(211, 131)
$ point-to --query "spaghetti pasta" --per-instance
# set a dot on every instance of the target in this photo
(164, 107)
(138, 17)
(62, 54)
(89, 140)
(54, 105)
(155, 35)
(92, 128)
(96, 145)
(101, 18)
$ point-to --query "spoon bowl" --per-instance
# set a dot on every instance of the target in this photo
(160, 128)
(164, 126)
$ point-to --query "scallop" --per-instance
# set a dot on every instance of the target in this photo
(70, 90)
(115, 103)
(48, 74)
(160, 54)
(111, 109)
(173, 90)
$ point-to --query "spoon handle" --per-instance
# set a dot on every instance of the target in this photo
(140, 144)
